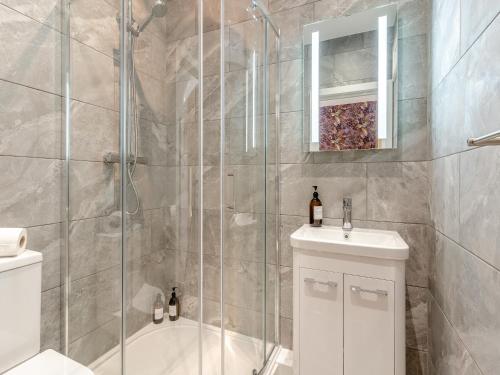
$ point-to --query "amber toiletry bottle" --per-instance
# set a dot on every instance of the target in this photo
(315, 210)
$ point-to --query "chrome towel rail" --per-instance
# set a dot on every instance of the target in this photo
(486, 140)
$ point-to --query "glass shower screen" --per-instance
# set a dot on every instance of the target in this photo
(172, 163)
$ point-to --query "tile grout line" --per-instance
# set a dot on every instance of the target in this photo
(470, 252)
(455, 331)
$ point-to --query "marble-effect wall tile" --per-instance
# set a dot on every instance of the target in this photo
(50, 324)
(47, 12)
(448, 356)
(92, 190)
(398, 192)
(479, 199)
(289, 224)
(293, 149)
(88, 348)
(94, 132)
(92, 76)
(30, 191)
(413, 67)
(448, 112)
(466, 289)
(445, 37)
(286, 297)
(290, 23)
(417, 318)
(95, 245)
(291, 87)
(349, 180)
(93, 23)
(47, 239)
(475, 17)
(93, 302)
(413, 17)
(482, 83)
(445, 195)
(30, 122)
(31, 53)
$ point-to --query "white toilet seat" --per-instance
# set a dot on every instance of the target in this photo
(50, 362)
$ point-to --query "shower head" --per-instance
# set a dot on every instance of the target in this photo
(159, 10)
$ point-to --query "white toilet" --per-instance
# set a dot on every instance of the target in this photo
(20, 304)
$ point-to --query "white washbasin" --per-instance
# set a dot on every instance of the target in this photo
(371, 243)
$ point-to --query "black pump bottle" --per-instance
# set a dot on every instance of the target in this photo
(173, 306)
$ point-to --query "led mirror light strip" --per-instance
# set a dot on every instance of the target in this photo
(254, 94)
(246, 110)
(315, 87)
(382, 78)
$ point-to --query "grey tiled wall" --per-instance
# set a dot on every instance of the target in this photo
(31, 150)
(30, 140)
(390, 188)
(465, 185)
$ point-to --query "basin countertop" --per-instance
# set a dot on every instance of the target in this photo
(373, 243)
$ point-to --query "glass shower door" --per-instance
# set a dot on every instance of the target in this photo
(165, 234)
(272, 110)
(251, 225)
(172, 164)
(92, 220)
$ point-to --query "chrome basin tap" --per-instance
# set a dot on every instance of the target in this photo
(347, 225)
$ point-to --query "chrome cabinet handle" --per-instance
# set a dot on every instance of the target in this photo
(379, 292)
(310, 280)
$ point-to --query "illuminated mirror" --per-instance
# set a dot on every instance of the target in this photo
(350, 82)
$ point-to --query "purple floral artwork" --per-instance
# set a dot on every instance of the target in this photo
(348, 126)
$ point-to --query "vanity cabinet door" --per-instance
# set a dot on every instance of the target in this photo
(320, 321)
(368, 326)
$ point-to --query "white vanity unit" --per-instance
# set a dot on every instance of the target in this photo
(348, 301)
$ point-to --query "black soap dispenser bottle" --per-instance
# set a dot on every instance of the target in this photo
(173, 306)
(315, 210)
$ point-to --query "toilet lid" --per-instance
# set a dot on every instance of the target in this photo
(50, 362)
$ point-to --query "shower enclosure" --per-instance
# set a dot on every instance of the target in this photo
(171, 158)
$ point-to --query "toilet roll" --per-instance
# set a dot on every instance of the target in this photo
(12, 241)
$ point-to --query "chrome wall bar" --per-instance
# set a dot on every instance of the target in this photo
(256, 4)
(491, 139)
